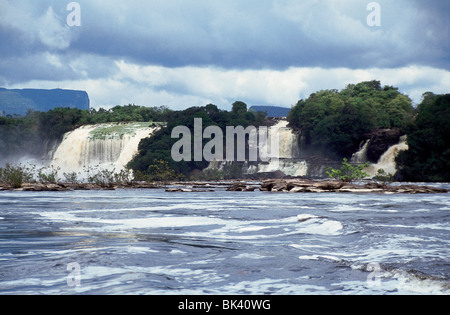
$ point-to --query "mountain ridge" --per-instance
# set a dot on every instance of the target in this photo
(19, 101)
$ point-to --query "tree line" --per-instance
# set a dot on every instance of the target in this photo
(335, 123)
(154, 155)
(332, 123)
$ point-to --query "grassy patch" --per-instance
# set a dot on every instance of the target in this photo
(118, 130)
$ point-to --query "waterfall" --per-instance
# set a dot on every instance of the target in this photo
(287, 160)
(387, 160)
(109, 146)
(361, 155)
(288, 141)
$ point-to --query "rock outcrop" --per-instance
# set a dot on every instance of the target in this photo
(299, 186)
(381, 141)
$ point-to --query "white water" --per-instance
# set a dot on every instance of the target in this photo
(284, 154)
(361, 155)
(289, 161)
(287, 141)
(134, 241)
(86, 147)
(118, 143)
(387, 160)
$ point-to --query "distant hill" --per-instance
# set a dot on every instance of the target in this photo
(272, 111)
(18, 102)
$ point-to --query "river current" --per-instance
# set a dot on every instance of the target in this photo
(139, 241)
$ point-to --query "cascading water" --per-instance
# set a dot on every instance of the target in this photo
(108, 146)
(288, 153)
(361, 155)
(284, 154)
(387, 160)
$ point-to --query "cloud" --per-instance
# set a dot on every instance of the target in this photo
(45, 28)
(184, 87)
(191, 52)
(237, 34)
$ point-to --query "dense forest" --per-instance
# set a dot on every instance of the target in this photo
(428, 157)
(336, 122)
(332, 123)
(158, 148)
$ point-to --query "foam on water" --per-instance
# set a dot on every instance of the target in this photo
(152, 242)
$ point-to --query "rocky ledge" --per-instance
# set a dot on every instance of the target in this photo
(269, 185)
(69, 187)
(299, 186)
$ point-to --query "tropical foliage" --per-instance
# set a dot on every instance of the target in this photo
(158, 147)
(336, 122)
(332, 122)
(348, 172)
(428, 157)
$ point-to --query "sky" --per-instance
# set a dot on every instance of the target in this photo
(184, 53)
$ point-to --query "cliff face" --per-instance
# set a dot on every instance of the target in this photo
(18, 102)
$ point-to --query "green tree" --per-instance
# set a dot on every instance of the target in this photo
(158, 147)
(348, 172)
(428, 157)
(339, 121)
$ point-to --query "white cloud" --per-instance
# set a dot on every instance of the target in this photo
(186, 53)
(34, 26)
(52, 32)
(184, 87)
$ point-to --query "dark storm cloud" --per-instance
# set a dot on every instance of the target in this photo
(250, 49)
(266, 34)
(235, 34)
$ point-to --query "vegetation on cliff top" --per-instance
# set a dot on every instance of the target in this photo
(35, 133)
(336, 122)
(332, 122)
(428, 157)
(158, 148)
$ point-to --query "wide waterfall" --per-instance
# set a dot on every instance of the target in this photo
(287, 159)
(285, 154)
(108, 146)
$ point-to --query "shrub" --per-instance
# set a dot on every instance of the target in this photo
(348, 172)
(71, 178)
(385, 178)
(15, 176)
(48, 175)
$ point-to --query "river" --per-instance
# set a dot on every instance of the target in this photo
(141, 241)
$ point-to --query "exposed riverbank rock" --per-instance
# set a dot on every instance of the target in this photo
(270, 185)
(298, 186)
(241, 187)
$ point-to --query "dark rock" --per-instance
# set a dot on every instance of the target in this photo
(381, 141)
(241, 187)
(267, 175)
(300, 186)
